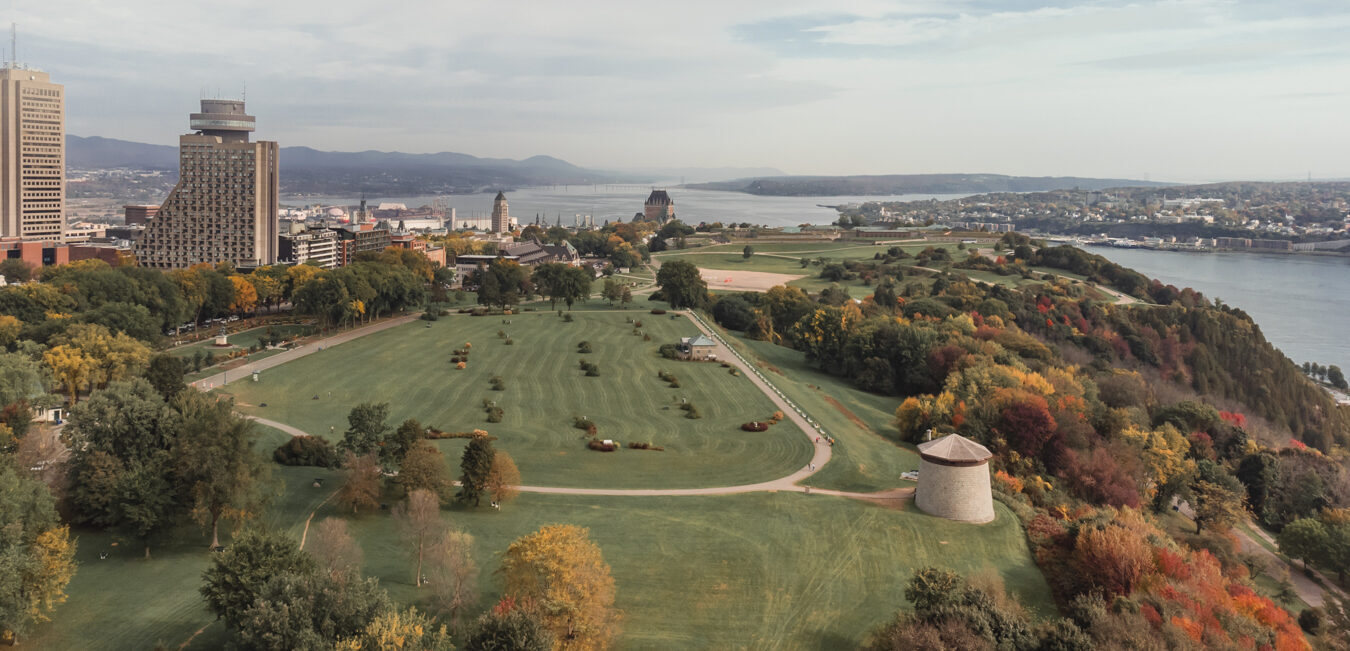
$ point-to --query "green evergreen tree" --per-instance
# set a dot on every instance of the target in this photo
(475, 466)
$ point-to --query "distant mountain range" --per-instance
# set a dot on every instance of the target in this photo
(889, 184)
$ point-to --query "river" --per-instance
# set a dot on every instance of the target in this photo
(621, 202)
(1301, 302)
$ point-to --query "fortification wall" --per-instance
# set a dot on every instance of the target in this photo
(955, 493)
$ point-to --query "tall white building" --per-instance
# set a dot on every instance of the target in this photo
(32, 154)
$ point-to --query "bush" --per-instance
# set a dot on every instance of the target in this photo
(494, 414)
(433, 433)
(498, 384)
(692, 412)
(658, 311)
(637, 324)
(645, 446)
(501, 334)
(755, 426)
(600, 446)
(669, 351)
(586, 424)
(429, 316)
(510, 341)
(584, 347)
(1310, 620)
(592, 370)
(306, 451)
(567, 318)
(646, 337)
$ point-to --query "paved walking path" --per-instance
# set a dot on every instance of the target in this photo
(1306, 588)
(219, 379)
(808, 427)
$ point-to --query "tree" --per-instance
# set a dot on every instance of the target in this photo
(245, 296)
(626, 297)
(1305, 539)
(503, 480)
(612, 291)
(37, 556)
(747, 251)
(216, 466)
(453, 573)
(71, 367)
(475, 466)
(361, 486)
(681, 284)
(366, 427)
(1337, 378)
(562, 577)
(931, 587)
(423, 468)
(309, 610)
(334, 549)
(419, 519)
(165, 373)
(400, 630)
(565, 283)
(15, 271)
(238, 575)
(9, 330)
(510, 629)
(403, 439)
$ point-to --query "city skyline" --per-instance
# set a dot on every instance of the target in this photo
(1177, 91)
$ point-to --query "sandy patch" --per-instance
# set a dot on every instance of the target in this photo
(744, 281)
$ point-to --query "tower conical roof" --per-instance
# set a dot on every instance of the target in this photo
(501, 196)
(955, 448)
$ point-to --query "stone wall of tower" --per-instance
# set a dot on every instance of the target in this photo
(955, 492)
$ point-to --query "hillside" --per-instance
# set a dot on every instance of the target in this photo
(797, 186)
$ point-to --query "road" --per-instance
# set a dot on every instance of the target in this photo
(1306, 588)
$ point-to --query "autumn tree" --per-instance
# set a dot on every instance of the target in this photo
(71, 367)
(419, 520)
(612, 291)
(475, 466)
(400, 630)
(37, 556)
(237, 576)
(564, 580)
(397, 444)
(361, 485)
(245, 296)
(423, 468)
(1112, 558)
(503, 480)
(334, 548)
(453, 573)
(216, 466)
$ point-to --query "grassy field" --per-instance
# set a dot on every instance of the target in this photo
(750, 571)
(865, 458)
(409, 367)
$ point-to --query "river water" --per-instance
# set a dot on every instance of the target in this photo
(621, 202)
(1301, 302)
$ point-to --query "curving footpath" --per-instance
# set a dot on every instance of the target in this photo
(811, 429)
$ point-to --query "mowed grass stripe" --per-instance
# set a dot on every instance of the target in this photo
(409, 367)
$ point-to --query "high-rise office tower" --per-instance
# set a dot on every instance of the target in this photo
(32, 154)
(224, 208)
(501, 214)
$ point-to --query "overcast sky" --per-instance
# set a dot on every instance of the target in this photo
(1175, 90)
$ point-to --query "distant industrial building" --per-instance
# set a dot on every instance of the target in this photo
(32, 154)
(659, 207)
(225, 205)
(139, 214)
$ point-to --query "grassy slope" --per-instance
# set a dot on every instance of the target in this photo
(409, 367)
(765, 570)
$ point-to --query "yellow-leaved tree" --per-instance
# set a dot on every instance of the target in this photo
(558, 575)
(71, 368)
(245, 295)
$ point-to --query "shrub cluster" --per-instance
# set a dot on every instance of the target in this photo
(306, 451)
(583, 423)
(429, 316)
(658, 311)
(584, 347)
(690, 411)
(669, 351)
(433, 433)
(645, 446)
(494, 413)
(600, 446)
(755, 426)
(669, 378)
(498, 384)
(592, 370)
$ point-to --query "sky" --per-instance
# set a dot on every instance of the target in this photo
(1173, 90)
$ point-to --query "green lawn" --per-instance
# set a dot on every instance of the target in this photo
(865, 456)
(409, 367)
(765, 570)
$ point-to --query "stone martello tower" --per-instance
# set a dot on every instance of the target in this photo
(954, 480)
